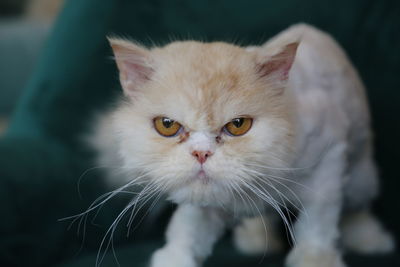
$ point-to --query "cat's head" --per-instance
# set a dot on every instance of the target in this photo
(203, 121)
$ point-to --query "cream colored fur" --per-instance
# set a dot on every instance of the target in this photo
(309, 147)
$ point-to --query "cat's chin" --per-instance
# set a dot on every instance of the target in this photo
(201, 191)
(202, 176)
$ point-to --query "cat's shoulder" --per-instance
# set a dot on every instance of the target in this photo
(318, 51)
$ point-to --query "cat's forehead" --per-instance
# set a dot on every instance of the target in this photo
(204, 84)
(202, 61)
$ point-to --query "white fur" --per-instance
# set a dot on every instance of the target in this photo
(202, 141)
(327, 169)
(190, 235)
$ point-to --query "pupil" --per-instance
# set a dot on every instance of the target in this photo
(238, 122)
(167, 122)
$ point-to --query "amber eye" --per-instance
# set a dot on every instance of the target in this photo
(167, 127)
(238, 126)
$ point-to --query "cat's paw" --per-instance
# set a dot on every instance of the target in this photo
(374, 241)
(172, 257)
(250, 237)
(306, 256)
(363, 233)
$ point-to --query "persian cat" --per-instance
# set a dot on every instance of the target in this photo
(242, 137)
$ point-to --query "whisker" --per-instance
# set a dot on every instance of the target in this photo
(112, 228)
(230, 188)
(266, 182)
(236, 189)
(287, 220)
(106, 196)
(266, 196)
(288, 211)
(135, 209)
(262, 220)
(154, 203)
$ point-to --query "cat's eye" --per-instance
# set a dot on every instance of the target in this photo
(238, 126)
(166, 126)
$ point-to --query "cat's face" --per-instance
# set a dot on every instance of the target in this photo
(199, 117)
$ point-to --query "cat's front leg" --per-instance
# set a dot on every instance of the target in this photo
(191, 235)
(317, 228)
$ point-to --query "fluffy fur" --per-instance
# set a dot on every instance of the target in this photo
(309, 148)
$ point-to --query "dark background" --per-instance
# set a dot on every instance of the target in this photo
(48, 98)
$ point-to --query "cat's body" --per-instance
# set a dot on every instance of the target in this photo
(307, 144)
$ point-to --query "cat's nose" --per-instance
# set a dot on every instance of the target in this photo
(201, 156)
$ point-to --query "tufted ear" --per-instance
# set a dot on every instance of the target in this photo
(134, 64)
(277, 66)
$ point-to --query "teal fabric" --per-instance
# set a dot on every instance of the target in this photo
(42, 159)
(20, 42)
(224, 255)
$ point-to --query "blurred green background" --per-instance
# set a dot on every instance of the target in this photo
(24, 26)
(53, 77)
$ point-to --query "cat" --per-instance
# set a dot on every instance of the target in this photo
(240, 136)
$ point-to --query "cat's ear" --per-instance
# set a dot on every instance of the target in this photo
(276, 67)
(134, 64)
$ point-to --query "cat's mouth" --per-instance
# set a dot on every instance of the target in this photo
(201, 187)
(200, 175)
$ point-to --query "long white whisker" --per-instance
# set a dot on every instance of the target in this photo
(288, 211)
(279, 177)
(232, 194)
(281, 196)
(146, 192)
(99, 257)
(266, 181)
(277, 168)
(261, 215)
(266, 196)
(107, 196)
(288, 222)
(153, 204)
(111, 229)
(269, 184)
(238, 190)
(135, 209)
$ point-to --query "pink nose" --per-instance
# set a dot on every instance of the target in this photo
(202, 156)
